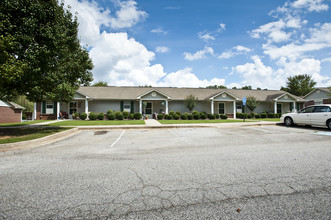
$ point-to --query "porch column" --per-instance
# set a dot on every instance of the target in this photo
(140, 106)
(34, 115)
(275, 107)
(294, 107)
(166, 105)
(86, 106)
(234, 110)
(57, 110)
(212, 106)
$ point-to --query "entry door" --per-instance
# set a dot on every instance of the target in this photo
(149, 108)
(221, 108)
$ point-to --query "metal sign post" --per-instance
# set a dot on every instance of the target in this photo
(244, 104)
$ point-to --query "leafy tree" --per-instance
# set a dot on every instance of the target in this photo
(216, 87)
(100, 83)
(251, 103)
(40, 53)
(191, 101)
(299, 85)
(247, 88)
(23, 101)
(234, 87)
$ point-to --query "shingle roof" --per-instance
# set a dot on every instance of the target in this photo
(131, 93)
(16, 106)
(325, 89)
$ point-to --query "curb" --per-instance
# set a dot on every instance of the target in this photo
(38, 142)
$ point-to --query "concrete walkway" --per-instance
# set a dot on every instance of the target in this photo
(152, 123)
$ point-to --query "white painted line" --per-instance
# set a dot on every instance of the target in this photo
(323, 133)
(113, 144)
(188, 142)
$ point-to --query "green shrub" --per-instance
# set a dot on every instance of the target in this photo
(125, 114)
(253, 115)
(239, 115)
(172, 113)
(160, 116)
(203, 115)
(110, 112)
(184, 116)
(196, 116)
(195, 112)
(222, 116)
(169, 117)
(279, 115)
(189, 116)
(137, 116)
(272, 115)
(131, 116)
(83, 116)
(249, 116)
(120, 117)
(176, 117)
(257, 116)
(117, 114)
(263, 115)
(211, 116)
(101, 116)
(93, 116)
(217, 116)
(111, 116)
(178, 113)
(24, 116)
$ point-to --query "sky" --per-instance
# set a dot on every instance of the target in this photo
(197, 43)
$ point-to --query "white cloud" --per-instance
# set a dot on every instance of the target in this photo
(185, 78)
(128, 15)
(162, 49)
(159, 31)
(201, 54)
(222, 27)
(328, 59)
(206, 36)
(237, 50)
(311, 5)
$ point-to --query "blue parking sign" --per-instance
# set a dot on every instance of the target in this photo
(244, 100)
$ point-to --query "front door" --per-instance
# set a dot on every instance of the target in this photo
(149, 108)
(221, 108)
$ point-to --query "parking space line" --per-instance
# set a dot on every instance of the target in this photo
(113, 144)
(188, 142)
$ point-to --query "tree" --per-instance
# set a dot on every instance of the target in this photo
(247, 88)
(216, 87)
(299, 85)
(100, 83)
(251, 103)
(191, 101)
(40, 53)
(23, 101)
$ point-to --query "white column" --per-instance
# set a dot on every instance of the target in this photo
(294, 107)
(34, 115)
(234, 110)
(275, 107)
(141, 106)
(86, 106)
(57, 110)
(21, 115)
(212, 106)
(166, 105)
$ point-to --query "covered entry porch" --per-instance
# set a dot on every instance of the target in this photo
(152, 102)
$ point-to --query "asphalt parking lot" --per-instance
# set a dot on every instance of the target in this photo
(264, 172)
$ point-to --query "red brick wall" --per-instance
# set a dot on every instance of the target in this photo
(327, 101)
(9, 115)
(309, 103)
(41, 116)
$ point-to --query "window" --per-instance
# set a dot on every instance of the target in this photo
(279, 108)
(239, 107)
(307, 110)
(148, 108)
(49, 107)
(321, 109)
(221, 109)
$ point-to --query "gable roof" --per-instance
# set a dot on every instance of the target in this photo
(325, 89)
(10, 105)
(133, 93)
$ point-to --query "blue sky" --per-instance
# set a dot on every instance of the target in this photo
(199, 43)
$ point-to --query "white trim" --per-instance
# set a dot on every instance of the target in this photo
(289, 95)
(166, 103)
(220, 93)
(140, 106)
(212, 107)
(275, 107)
(34, 115)
(153, 90)
(86, 106)
(234, 110)
(58, 110)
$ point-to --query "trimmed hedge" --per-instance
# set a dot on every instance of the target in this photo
(217, 116)
(178, 113)
(257, 116)
(176, 117)
(137, 116)
(83, 116)
(184, 116)
(92, 116)
(196, 116)
(189, 116)
(131, 116)
(211, 116)
(222, 116)
(172, 113)
(263, 115)
(111, 116)
(101, 116)
(160, 116)
(125, 114)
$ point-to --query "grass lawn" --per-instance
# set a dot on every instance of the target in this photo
(201, 121)
(97, 122)
(22, 123)
(266, 119)
(11, 135)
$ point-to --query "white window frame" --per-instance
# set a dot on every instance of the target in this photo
(49, 107)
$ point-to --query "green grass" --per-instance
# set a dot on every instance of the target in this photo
(266, 119)
(97, 122)
(201, 121)
(11, 135)
(22, 123)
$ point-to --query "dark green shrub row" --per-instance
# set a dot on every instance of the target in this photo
(257, 116)
(111, 115)
(187, 116)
